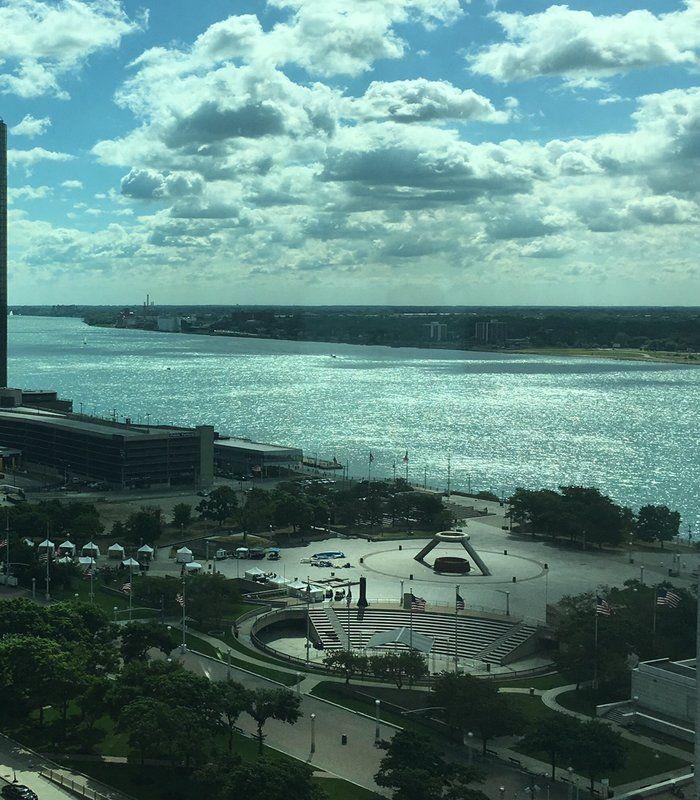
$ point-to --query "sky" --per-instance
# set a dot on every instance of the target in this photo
(431, 152)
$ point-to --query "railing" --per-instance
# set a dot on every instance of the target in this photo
(78, 788)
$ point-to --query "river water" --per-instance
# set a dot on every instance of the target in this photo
(505, 420)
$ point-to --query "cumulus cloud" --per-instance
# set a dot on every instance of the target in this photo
(31, 126)
(72, 184)
(27, 158)
(583, 47)
(421, 100)
(148, 184)
(29, 193)
(42, 41)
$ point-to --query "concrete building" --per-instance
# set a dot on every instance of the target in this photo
(121, 454)
(436, 331)
(490, 332)
(169, 324)
(3, 254)
(234, 456)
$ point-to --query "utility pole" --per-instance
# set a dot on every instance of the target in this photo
(449, 474)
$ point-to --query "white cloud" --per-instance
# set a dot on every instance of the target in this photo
(29, 193)
(421, 100)
(31, 126)
(72, 184)
(27, 158)
(583, 47)
(42, 41)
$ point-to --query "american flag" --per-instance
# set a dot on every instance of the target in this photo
(405, 458)
(371, 456)
(417, 603)
(603, 607)
(87, 575)
(460, 602)
(179, 598)
(3, 544)
(126, 588)
(666, 597)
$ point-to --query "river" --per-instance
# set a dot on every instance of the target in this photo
(629, 428)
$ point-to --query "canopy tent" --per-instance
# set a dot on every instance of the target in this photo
(67, 547)
(299, 589)
(28, 542)
(146, 552)
(130, 562)
(86, 561)
(65, 560)
(253, 574)
(184, 555)
(404, 636)
(193, 566)
(90, 549)
(115, 551)
(47, 544)
(279, 581)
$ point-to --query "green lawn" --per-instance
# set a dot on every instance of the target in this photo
(104, 600)
(540, 682)
(584, 701)
(342, 790)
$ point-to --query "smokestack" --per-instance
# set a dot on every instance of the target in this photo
(3, 254)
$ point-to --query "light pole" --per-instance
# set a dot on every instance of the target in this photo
(313, 733)
(228, 664)
(641, 574)
(570, 770)
(377, 703)
(115, 613)
(470, 739)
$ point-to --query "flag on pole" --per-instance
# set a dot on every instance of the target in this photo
(3, 544)
(180, 599)
(87, 575)
(460, 602)
(666, 597)
(405, 458)
(371, 456)
(602, 607)
(126, 588)
(417, 603)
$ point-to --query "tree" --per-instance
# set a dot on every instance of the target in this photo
(599, 751)
(406, 666)
(347, 663)
(182, 515)
(219, 505)
(415, 769)
(657, 522)
(264, 704)
(233, 700)
(292, 509)
(209, 597)
(228, 778)
(256, 514)
(144, 526)
(149, 726)
(137, 638)
(555, 735)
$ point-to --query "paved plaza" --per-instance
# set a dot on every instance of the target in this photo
(387, 565)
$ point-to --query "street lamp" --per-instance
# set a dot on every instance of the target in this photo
(115, 613)
(377, 703)
(313, 733)
(570, 770)
(470, 739)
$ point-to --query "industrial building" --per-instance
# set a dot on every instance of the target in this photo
(490, 332)
(236, 456)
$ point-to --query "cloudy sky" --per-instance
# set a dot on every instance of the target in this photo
(353, 151)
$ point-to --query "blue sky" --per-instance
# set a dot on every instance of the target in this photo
(335, 151)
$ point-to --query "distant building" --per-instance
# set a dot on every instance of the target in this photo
(492, 332)
(236, 456)
(436, 331)
(169, 324)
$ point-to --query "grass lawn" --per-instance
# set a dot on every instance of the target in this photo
(342, 790)
(104, 600)
(584, 700)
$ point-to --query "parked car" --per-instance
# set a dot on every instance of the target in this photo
(18, 791)
(256, 553)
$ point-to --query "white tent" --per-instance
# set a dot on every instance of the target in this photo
(65, 560)
(115, 551)
(193, 566)
(145, 552)
(281, 582)
(315, 593)
(130, 562)
(47, 544)
(253, 574)
(86, 561)
(67, 548)
(28, 542)
(90, 549)
(183, 555)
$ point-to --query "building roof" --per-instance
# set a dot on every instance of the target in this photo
(256, 447)
(78, 424)
(685, 668)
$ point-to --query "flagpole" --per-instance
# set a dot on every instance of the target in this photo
(48, 554)
(131, 586)
(410, 620)
(595, 649)
(369, 469)
(456, 625)
(406, 462)
(183, 647)
(92, 591)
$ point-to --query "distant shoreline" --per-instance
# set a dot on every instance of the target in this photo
(607, 353)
